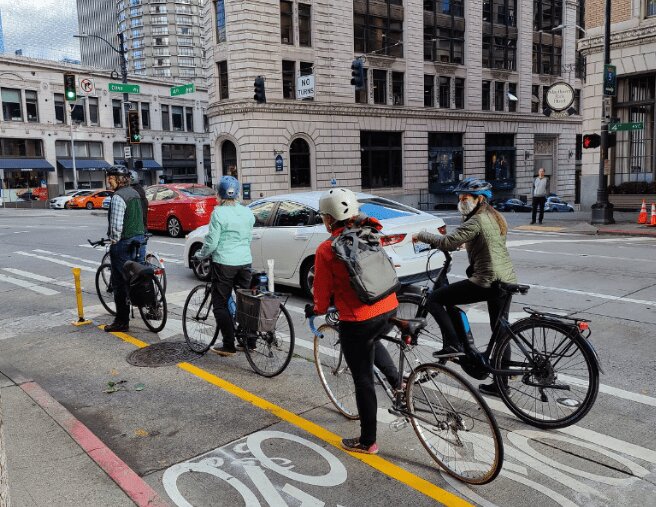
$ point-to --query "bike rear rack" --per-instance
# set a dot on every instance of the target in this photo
(548, 315)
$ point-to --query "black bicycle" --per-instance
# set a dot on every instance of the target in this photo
(544, 365)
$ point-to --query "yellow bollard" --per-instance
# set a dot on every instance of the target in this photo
(78, 293)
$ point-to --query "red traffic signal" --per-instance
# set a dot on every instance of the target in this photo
(591, 141)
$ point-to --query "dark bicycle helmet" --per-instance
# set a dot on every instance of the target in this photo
(118, 170)
(474, 186)
(228, 187)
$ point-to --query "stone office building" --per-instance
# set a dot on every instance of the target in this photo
(35, 135)
(452, 89)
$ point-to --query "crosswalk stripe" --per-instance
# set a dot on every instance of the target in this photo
(28, 285)
(39, 278)
(55, 261)
(95, 263)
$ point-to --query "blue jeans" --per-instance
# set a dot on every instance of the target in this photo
(119, 254)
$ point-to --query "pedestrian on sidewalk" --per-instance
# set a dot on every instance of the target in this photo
(540, 192)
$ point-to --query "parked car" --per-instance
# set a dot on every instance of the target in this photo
(26, 195)
(512, 205)
(106, 201)
(176, 208)
(62, 201)
(556, 204)
(90, 201)
(288, 230)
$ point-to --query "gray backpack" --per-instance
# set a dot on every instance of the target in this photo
(371, 271)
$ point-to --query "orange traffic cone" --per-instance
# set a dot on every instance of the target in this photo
(653, 215)
(642, 217)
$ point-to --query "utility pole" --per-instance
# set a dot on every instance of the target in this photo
(70, 121)
(126, 98)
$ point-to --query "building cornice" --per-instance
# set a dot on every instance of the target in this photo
(625, 38)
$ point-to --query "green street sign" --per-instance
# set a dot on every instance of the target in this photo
(616, 127)
(123, 88)
(182, 89)
(610, 80)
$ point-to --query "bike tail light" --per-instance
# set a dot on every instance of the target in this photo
(442, 230)
(583, 326)
(392, 239)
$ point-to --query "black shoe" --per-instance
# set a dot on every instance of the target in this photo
(224, 351)
(540, 222)
(533, 222)
(490, 389)
(117, 327)
(448, 351)
(241, 347)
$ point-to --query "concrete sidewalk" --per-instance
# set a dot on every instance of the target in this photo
(579, 222)
(53, 459)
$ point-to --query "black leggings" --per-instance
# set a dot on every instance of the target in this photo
(224, 279)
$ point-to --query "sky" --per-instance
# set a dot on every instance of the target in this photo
(41, 28)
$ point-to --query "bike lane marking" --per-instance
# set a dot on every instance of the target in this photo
(382, 465)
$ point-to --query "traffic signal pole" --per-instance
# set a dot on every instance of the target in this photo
(126, 97)
(602, 210)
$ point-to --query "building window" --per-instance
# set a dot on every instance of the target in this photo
(485, 96)
(189, 119)
(445, 92)
(299, 163)
(11, 147)
(500, 161)
(499, 52)
(651, 8)
(176, 116)
(11, 105)
(145, 115)
(31, 106)
(499, 102)
(288, 79)
(362, 95)
(378, 26)
(512, 97)
(206, 123)
(382, 159)
(445, 161)
(220, 21)
(535, 99)
(286, 22)
(444, 31)
(304, 25)
(77, 113)
(60, 115)
(429, 90)
(224, 92)
(397, 88)
(499, 34)
(117, 111)
(547, 44)
(93, 110)
(166, 122)
(380, 86)
(460, 93)
(229, 159)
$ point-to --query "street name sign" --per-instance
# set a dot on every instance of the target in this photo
(617, 127)
(182, 89)
(123, 88)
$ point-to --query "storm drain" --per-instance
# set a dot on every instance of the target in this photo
(162, 354)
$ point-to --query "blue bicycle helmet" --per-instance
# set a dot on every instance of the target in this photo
(474, 186)
(228, 187)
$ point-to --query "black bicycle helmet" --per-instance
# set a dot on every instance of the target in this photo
(474, 186)
(118, 170)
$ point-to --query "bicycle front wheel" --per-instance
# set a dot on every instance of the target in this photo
(557, 384)
(154, 315)
(104, 287)
(454, 424)
(429, 339)
(160, 272)
(198, 322)
(269, 353)
(334, 374)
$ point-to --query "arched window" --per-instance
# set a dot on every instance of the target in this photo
(229, 158)
(299, 163)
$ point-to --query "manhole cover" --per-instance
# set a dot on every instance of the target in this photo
(162, 354)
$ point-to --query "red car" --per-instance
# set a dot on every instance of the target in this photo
(180, 207)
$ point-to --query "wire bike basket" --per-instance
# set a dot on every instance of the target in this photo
(258, 312)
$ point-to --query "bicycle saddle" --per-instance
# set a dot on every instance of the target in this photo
(514, 288)
(409, 326)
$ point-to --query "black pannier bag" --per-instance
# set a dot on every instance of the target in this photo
(257, 312)
(141, 287)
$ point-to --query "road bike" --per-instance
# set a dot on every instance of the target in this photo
(266, 336)
(154, 315)
(544, 365)
(152, 258)
(451, 419)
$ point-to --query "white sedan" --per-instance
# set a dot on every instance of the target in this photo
(61, 201)
(288, 230)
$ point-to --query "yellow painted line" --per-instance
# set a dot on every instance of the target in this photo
(374, 461)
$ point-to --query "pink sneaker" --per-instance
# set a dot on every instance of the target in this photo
(354, 445)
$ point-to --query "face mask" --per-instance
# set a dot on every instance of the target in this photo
(466, 207)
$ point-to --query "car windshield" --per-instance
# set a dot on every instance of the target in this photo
(86, 192)
(382, 209)
(199, 191)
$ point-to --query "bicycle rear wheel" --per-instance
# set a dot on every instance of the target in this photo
(154, 316)
(454, 424)
(160, 272)
(560, 384)
(104, 287)
(269, 353)
(198, 322)
(334, 374)
(429, 339)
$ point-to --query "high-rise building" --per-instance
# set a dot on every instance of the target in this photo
(162, 37)
(2, 38)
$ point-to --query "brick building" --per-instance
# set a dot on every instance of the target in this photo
(453, 89)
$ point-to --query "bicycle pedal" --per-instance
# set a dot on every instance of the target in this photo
(399, 424)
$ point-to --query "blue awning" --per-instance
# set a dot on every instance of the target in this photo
(148, 164)
(26, 164)
(83, 164)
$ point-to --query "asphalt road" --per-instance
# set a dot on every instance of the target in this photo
(195, 439)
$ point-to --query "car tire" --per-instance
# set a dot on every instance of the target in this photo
(89, 205)
(201, 269)
(571, 210)
(67, 205)
(174, 227)
(307, 276)
(554, 210)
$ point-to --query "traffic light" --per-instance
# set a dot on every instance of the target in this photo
(133, 127)
(357, 73)
(69, 87)
(260, 95)
(591, 141)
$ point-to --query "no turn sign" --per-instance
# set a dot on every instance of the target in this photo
(87, 86)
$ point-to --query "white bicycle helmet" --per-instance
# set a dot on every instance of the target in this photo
(339, 203)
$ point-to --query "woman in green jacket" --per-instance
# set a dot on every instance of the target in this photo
(484, 235)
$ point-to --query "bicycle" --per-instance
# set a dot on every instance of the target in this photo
(153, 315)
(268, 346)
(451, 419)
(544, 365)
(152, 258)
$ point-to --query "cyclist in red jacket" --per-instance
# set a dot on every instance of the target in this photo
(360, 324)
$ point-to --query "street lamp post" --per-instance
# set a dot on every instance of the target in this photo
(70, 121)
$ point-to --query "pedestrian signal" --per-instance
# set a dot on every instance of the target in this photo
(69, 87)
(260, 95)
(133, 127)
(357, 74)
(591, 141)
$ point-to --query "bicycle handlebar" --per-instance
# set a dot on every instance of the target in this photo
(313, 328)
(100, 242)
